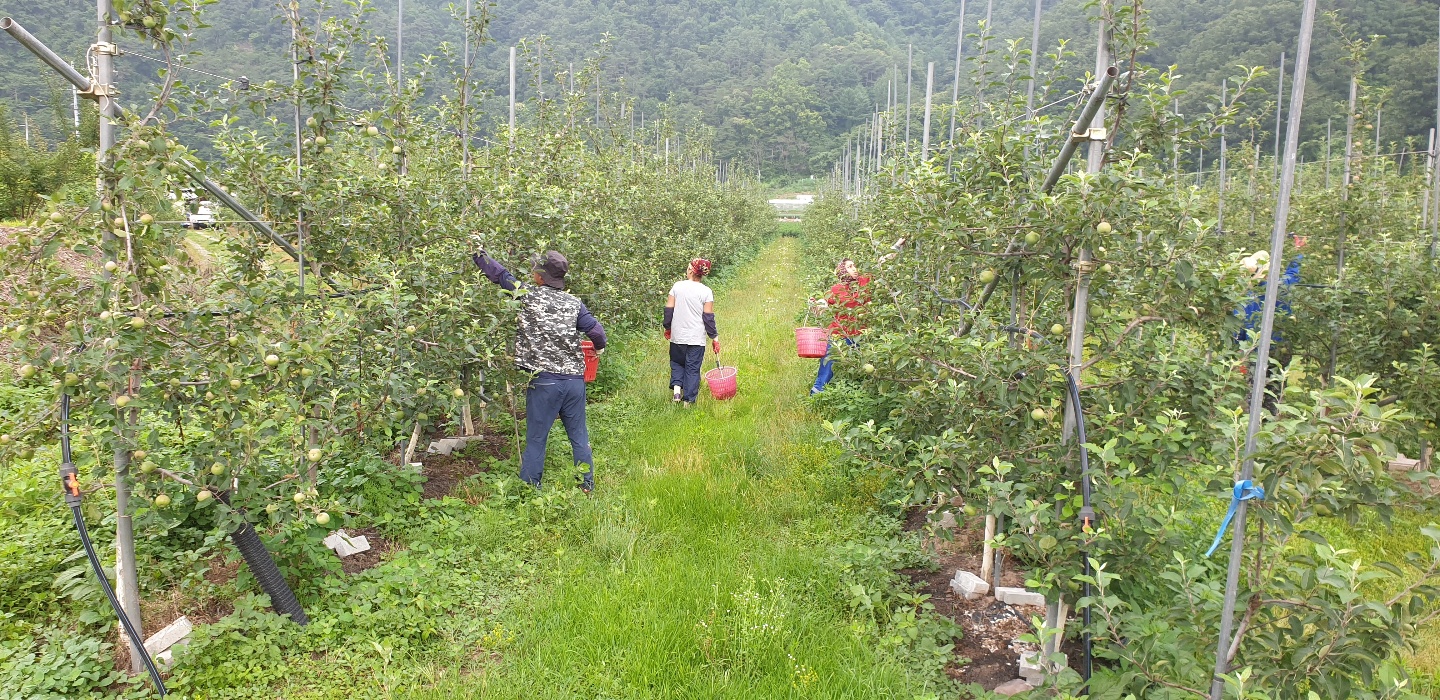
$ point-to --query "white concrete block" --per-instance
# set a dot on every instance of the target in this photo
(947, 521)
(968, 585)
(345, 545)
(173, 634)
(1018, 596)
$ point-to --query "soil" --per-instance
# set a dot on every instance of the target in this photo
(370, 558)
(987, 654)
(443, 472)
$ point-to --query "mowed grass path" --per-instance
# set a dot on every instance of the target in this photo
(700, 568)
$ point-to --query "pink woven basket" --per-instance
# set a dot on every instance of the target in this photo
(811, 342)
(721, 381)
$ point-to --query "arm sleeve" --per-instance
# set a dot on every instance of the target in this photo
(1292, 273)
(710, 324)
(669, 316)
(586, 323)
(495, 271)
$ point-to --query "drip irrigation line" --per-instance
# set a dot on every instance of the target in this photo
(70, 487)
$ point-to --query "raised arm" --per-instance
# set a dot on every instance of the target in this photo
(495, 271)
(586, 323)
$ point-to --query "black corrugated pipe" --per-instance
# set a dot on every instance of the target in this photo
(262, 565)
(70, 486)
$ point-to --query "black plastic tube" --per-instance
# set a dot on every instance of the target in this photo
(262, 565)
(1087, 517)
(71, 490)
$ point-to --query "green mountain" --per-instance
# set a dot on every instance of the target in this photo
(781, 83)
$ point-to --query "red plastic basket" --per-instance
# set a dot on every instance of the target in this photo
(592, 360)
(811, 342)
(721, 381)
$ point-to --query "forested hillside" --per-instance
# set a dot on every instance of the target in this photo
(782, 83)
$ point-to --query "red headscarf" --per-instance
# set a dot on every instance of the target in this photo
(700, 266)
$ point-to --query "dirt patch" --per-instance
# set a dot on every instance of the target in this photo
(163, 608)
(443, 472)
(370, 558)
(988, 654)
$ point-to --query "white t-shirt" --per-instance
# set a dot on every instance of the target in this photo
(688, 325)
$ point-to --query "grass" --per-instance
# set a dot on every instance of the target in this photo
(698, 570)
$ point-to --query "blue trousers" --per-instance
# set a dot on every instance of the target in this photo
(685, 362)
(827, 368)
(545, 400)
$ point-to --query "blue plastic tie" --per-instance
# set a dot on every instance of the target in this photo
(1244, 491)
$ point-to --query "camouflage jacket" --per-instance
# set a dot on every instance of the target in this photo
(550, 324)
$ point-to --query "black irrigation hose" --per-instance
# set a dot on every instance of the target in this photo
(71, 489)
(1087, 512)
(262, 565)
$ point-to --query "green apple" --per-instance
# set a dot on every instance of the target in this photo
(459, 393)
(137, 322)
(410, 330)
(322, 518)
(57, 217)
(122, 401)
(271, 508)
(868, 368)
(1057, 329)
(139, 454)
(310, 121)
(72, 379)
(272, 360)
(203, 496)
(372, 131)
(27, 371)
(987, 276)
(146, 219)
(1037, 414)
(1032, 238)
(147, 466)
(6, 439)
(217, 469)
(111, 266)
(306, 371)
(236, 383)
(162, 500)
(314, 454)
(299, 497)
(1104, 227)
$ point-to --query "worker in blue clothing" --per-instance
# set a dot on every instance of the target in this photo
(547, 345)
(1259, 266)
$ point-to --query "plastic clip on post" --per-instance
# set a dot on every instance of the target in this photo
(1244, 491)
(70, 485)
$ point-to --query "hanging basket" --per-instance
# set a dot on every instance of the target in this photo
(721, 381)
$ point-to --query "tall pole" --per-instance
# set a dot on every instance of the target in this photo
(512, 94)
(465, 103)
(984, 47)
(400, 41)
(127, 586)
(1279, 103)
(955, 90)
(1435, 220)
(1429, 175)
(75, 108)
(1034, 61)
(1220, 188)
(909, 76)
(929, 92)
(1328, 137)
(300, 212)
(1224, 653)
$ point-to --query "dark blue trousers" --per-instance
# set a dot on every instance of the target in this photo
(827, 367)
(545, 400)
(685, 363)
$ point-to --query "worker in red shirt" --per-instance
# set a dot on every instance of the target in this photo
(847, 294)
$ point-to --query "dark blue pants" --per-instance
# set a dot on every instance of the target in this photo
(685, 363)
(545, 400)
(827, 368)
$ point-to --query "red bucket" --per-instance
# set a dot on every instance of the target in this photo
(592, 360)
(811, 342)
(721, 381)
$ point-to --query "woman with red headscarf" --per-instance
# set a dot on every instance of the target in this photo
(845, 297)
(689, 318)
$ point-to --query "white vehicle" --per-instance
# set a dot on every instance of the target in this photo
(196, 211)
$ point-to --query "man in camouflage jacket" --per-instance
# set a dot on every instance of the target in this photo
(547, 345)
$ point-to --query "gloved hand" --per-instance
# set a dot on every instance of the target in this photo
(819, 304)
(715, 345)
(667, 333)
